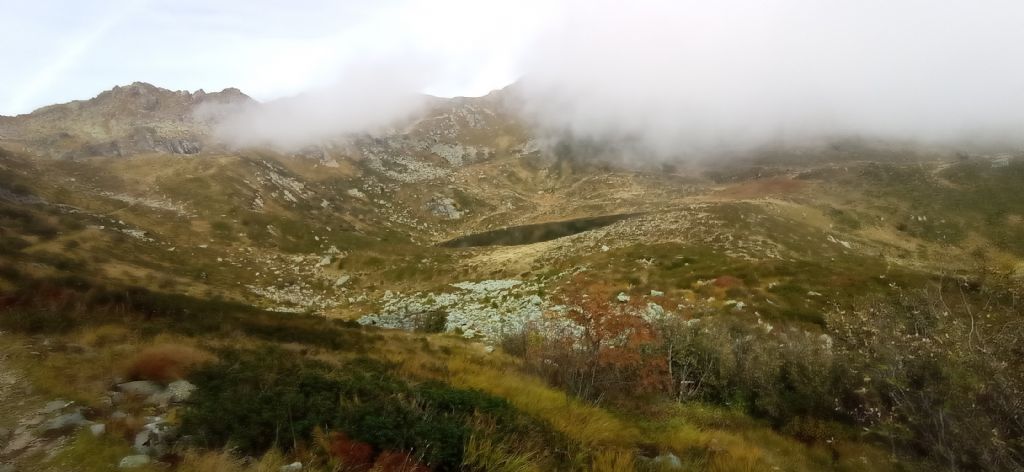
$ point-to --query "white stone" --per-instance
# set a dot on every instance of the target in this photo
(134, 462)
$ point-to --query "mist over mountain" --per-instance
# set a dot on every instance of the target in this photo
(682, 79)
(784, 235)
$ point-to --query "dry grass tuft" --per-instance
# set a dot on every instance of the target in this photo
(614, 460)
(225, 461)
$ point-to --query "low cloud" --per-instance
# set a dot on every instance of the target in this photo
(689, 77)
(369, 97)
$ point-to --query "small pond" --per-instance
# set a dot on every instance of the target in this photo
(535, 233)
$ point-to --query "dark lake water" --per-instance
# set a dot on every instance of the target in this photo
(535, 233)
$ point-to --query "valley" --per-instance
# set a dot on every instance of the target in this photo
(790, 309)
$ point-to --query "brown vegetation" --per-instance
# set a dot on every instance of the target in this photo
(166, 362)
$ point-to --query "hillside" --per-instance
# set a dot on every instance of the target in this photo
(465, 292)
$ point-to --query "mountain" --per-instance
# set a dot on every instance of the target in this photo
(132, 119)
(812, 308)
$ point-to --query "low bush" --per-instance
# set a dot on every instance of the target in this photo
(257, 400)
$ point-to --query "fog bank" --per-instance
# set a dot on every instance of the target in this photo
(678, 78)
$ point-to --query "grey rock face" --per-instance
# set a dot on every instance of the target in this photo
(444, 207)
(182, 146)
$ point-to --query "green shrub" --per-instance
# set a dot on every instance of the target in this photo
(257, 400)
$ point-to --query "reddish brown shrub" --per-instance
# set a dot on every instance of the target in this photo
(728, 281)
(166, 362)
(352, 453)
(397, 461)
(612, 353)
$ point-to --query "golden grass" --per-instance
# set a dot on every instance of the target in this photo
(705, 437)
(613, 460)
(88, 453)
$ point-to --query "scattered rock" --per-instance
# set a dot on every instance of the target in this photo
(444, 207)
(490, 309)
(134, 462)
(342, 280)
(657, 293)
(156, 437)
(622, 297)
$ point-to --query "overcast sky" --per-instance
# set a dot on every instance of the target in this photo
(672, 71)
(55, 51)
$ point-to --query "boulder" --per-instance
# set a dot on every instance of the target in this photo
(140, 388)
(54, 406)
(293, 467)
(667, 461)
(63, 424)
(98, 429)
(180, 390)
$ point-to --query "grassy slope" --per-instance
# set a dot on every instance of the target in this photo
(702, 435)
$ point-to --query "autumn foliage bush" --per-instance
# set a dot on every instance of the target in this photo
(609, 349)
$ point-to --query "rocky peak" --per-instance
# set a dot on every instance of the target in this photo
(129, 119)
